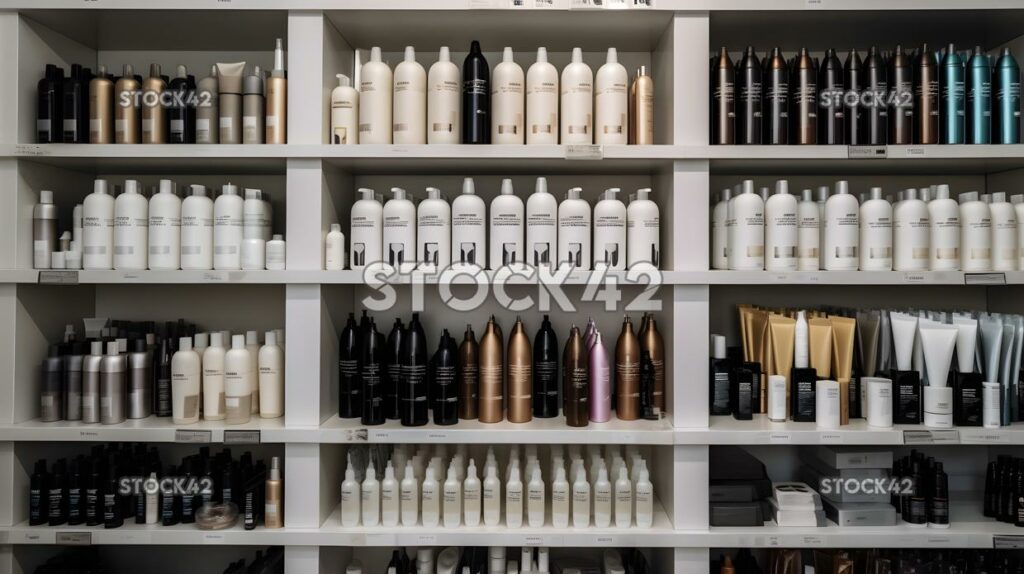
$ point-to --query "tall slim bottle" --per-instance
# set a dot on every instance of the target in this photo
(443, 100)
(444, 383)
(804, 94)
(600, 382)
(492, 369)
(853, 82)
(126, 108)
(1006, 90)
(545, 371)
(412, 388)
(476, 97)
(876, 116)
(627, 373)
(926, 97)
(101, 108)
(901, 110)
(577, 99)
(723, 100)
(349, 349)
(776, 98)
(74, 120)
(652, 343)
(154, 115)
(469, 375)
(831, 130)
(979, 98)
(276, 123)
(393, 370)
(952, 104)
(575, 369)
(520, 375)
(749, 117)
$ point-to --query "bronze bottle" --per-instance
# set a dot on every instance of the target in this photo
(627, 373)
(901, 82)
(575, 365)
(804, 85)
(652, 343)
(520, 375)
(776, 99)
(492, 370)
(469, 375)
(723, 100)
(926, 98)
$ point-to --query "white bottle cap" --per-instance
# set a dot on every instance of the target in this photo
(468, 188)
(201, 340)
(987, 198)
(410, 54)
(375, 54)
(613, 56)
(506, 55)
(278, 57)
(252, 338)
(643, 193)
(185, 343)
(45, 196)
(335, 227)
(354, 567)
(899, 195)
(57, 260)
(277, 237)
(216, 339)
(270, 338)
(112, 348)
(252, 194)
(444, 55)
(924, 193)
(782, 186)
(577, 56)
(366, 192)
(398, 193)
(343, 81)
(823, 194)
(182, 72)
(764, 193)
(999, 197)
(807, 195)
(748, 186)
(876, 193)
(166, 186)
(100, 186)
(910, 194)
(541, 186)
(131, 186)
(237, 341)
(229, 189)
(718, 346)
(198, 190)
(941, 191)
(574, 193)
(506, 186)
(611, 192)
(433, 193)
(842, 186)
(96, 348)
(542, 54)
(1014, 199)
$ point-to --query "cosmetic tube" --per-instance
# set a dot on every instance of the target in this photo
(827, 415)
(938, 407)
(844, 332)
(991, 400)
(879, 401)
(777, 398)
(229, 101)
(938, 341)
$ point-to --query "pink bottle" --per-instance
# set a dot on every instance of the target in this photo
(588, 333)
(600, 382)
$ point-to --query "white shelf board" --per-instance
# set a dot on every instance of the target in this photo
(537, 431)
(179, 534)
(150, 429)
(760, 430)
(722, 277)
(157, 158)
(828, 159)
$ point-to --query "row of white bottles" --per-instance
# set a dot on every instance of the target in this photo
(600, 490)
(228, 377)
(923, 230)
(542, 232)
(165, 232)
(412, 106)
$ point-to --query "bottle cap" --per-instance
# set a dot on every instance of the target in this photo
(278, 58)
(397, 193)
(237, 341)
(823, 193)
(444, 55)
(987, 198)
(807, 195)
(166, 186)
(229, 189)
(748, 186)
(410, 54)
(131, 186)
(253, 83)
(577, 56)
(343, 81)
(541, 186)
(613, 56)
(611, 192)
(433, 193)
(45, 196)
(506, 187)
(112, 348)
(1014, 199)
(782, 186)
(467, 186)
(876, 193)
(184, 343)
(574, 193)
(842, 187)
(270, 339)
(999, 197)
(643, 193)
(375, 54)
(366, 192)
(251, 194)
(252, 338)
(198, 190)
(941, 191)
(910, 194)
(718, 346)
(100, 186)
(542, 54)
(506, 55)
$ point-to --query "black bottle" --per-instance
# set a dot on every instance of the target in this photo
(162, 394)
(49, 117)
(938, 503)
(393, 370)
(396, 563)
(444, 386)
(804, 97)
(545, 371)
(918, 509)
(741, 383)
(412, 387)
(112, 511)
(776, 99)
(876, 114)
(57, 497)
(182, 113)
(906, 386)
(723, 100)
(720, 391)
(75, 117)
(647, 374)
(38, 495)
(991, 483)
(1007, 494)
(831, 128)
(749, 116)
(76, 492)
(853, 83)
(371, 374)
(803, 395)
(170, 503)
(94, 494)
(901, 107)
(1018, 500)
(187, 500)
(349, 402)
(476, 97)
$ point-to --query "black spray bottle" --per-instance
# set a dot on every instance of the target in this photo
(938, 502)
(74, 114)
(901, 107)
(853, 83)
(876, 116)
(476, 97)
(444, 385)
(349, 402)
(831, 129)
(545, 371)
(57, 503)
(112, 504)
(749, 124)
(38, 494)
(49, 120)
(393, 370)
(76, 492)
(412, 387)
(371, 375)
(776, 99)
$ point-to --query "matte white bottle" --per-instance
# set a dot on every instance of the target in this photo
(98, 227)
(975, 233)
(227, 229)
(623, 500)
(469, 229)
(910, 230)
(574, 231)
(780, 234)
(389, 498)
(535, 499)
(213, 378)
(720, 231)
(876, 233)
(611, 102)
(375, 92)
(238, 382)
(944, 246)
(1018, 205)
(400, 232)
(808, 233)
(643, 231)
(514, 500)
(842, 230)
(271, 377)
(577, 101)
(444, 104)
(581, 500)
(542, 101)
(491, 496)
(507, 213)
(252, 344)
(351, 498)
(541, 226)
(561, 494)
(644, 500)
(602, 499)
(197, 230)
(410, 496)
(344, 112)
(334, 249)
(165, 228)
(433, 232)
(610, 231)
(471, 496)
(431, 499)
(452, 497)
(367, 229)
(507, 104)
(1004, 233)
(185, 383)
(410, 102)
(252, 215)
(131, 228)
(370, 490)
(746, 233)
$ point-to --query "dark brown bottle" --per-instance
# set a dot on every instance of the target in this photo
(831, 130)
(520, 375)
(776, 99)
(901, 104)
(575, 365)
(876, 112)
(492, 370)
(469, 375)
(652, 343)
(749, 124)
(853, 79)
(627, 373)
(926, 98)
(804, 95)
(723, 100)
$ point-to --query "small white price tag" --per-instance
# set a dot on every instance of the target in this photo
(1008, 542)
(241, 437)
(584, 152)
(213, 538)
(779, 438)
(53, 277)
(983, 436)
(214, 277)
(74, 538)
(831, 438)
(984, 278)
(913, 277)
(916, 152)
(866, 151)
(192, 436)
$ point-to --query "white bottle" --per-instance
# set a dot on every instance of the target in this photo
(577, 101)
(410, 496)
(433, 232)
(152, 501)
(944, 247)
(98, 227)
(808, 233)
(644, 500)
(334, 249)
(975, 233)
(367, 228)
(542, 101)
(574, 231)
(602, 499)
(76, 223)
(370, 490)
(611, 102)
(252, 215)
(746, 232)
(471, 496)
(1018, 205)
(507, 228)
(444, 100)
(492, 496)
(541, 226)
(344, 112)
(410, 102)
(780, 229)
(131, 228)
(1004, 233)
(213, 379)
(375, 81)
(610, 231)
(185, 383)
(165, 228)
(507, 101)
(431, 500)
(911, 228)
(271, 377)
(469, 229)
(514, 500)
(400, 231)
(535, 499)
(197, 230)
(238, 382)
(720, 231)
(276, 253)
(842, 230)
(876, 233)
(623, 500)
(351, 497)
(643, 231)
(581, 499)
(560, 496)
(452, 498)
(389, 498)
(227, 229)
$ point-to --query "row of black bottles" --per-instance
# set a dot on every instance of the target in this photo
(63, 107)
(921, 491)
(101, 487)
(1004, 490)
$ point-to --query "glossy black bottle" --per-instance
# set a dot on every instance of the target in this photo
(938, 501)
(1018, 501)
(412, 387)
(162, 394)
(476, 97)
(393, 370)
(901, 107)
(76, 492)
(49, 117)
(749, 101)
(183, 110)
(371, 374)
(75, 117)
(803, 90)
(38, 494)
(57, 498)
(349, 403)
(545, 371)
(876, 113)
(396, 563)
(112, 504)
(444, 386)
(831, 129)
(776, 99)
(94, 494)
(170, 504)
(853, 83)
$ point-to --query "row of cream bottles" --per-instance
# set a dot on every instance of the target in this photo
(923, 230)
(619, 491)
(434, 234)
(412, 106)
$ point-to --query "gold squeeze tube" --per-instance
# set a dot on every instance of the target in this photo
(844, 330)
(759, 325)
(745, 328)
(783, 331)
(819, 332)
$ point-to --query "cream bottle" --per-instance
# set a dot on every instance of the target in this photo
(746, 233)
(535, 499)
(644, 499)
(611, 102)
(370, 500)
(410, 101)
(1004, 233)
(400, 232)
(514, 500)
(542, 101)
(623, 500)
(780, 229)
(506, 236)
(602, 499)
(541, 226)
(185, 383)
(131, 228)
(561, 494)
(610, 231)
(165, 228)
(213, 378)
(842, 230)
(334, 249)
(911, 229)
(720, 231)
(271, 377)
(351, 497)
(643, 231)
(876, 233)
(389, 498)
(469, 229)
(433, 232)
(471, 497)
(808, 233)
(98, 227)
(344, 112)
(367, 228)
(237, 382)
(444, 104)
(431, 500)
(197, 230)
(1018, 206)
(491, 496)
(577, 101)
(944, 245)
(574, 231)
(375, 87)
(975, 233)
(227, 229)
(507, 103)
(252, 344)
(410, 496)
(452, 499)
(581, 500)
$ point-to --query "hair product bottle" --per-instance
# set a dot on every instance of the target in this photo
(804, 87)
(197, 230)
(546, 391)
(600, 382)
(185, 383)
(723, 100)
(926, 97)
(831, 128)
(344, 112)
(367, 228)
(641, 109)
(154, 115)
(627, 373)
(876, 233)
(979, 98)
(611, 102)
(400, 232)
(746, 235)
(492, 370)
(443, 377)
(507, 101)
(577, 101)
(575, 368)
(901, 110)
(126, 108)
(541, 226)
(952, 109)
(1006, 90)
(371, 375)
(276, 123)
(227, 229)
(469, 229)
(393, 370)
(229, 101)
(349, 387)
(854, 80)
(207, 111)
(610, 231)
(375, 92)
(749, 96)
(412, 389)
(409, 119)
(506, 235)
(444, 81)
(776, 98)
(181, 115)
(468, 375)
(780, 224)
(520, 375)
(253, 108)
(237, 382)
(476, 97)
(842, 230)
(574, 231)
(643, 231)
(131, 228)
(165, 228)
(433, 232)
(49, 106)
(101, 108)
(542, 96)
(877, 114)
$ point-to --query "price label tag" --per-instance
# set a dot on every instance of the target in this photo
(360, 435)
(89, 435)
(533, 541)
(831, 438)
(606, 541)
(129, 537)
(241, 437)
(426, 540)
(54, 277)
(585, 4)
(913, 278)
(131, 277)
(31, 150)
(815, 4)
(214, 277)
(74, 538)
(866, 151)
(192, 436)
(812, 540)
(916, 152)
(1008, 542)
(971, 436)
(542, 4)
(938, 541)
(437, 436)
(482, 4)
(977, 278)
(584, 152)
(779, 438)
(911, 437)
(213, 538)
(31, 538)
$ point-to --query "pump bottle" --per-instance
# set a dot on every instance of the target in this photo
(507, 85)
(610, 232)
(410, 101)
(344, 112)
(131, 228)
(227, 229)
(367, 228)
(542, 101)
(433, 232)
(842, 230)
(443, 100)
(611, 105)
(375, 92)
(746, 232)
(780, 222)
(876, 233)
(643, 231)
(400, 232)
(506, 235)
(165, 228)
(944, 215)
(577, 101)
(574, 231)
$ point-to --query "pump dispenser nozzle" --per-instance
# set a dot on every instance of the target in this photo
(574, 193)
(343, 80)
(278, 70)
(506, 187)
(468, 187)
(643, 193)
(398, 192)
(433, 193)
(366, 193)
(611, 192)
(444, 54)
(542, 54)
(613, 56)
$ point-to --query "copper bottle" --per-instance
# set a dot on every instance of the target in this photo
(126, 108)
(469, 375)
(101, 108)
(492, 370)
(926, 98)
(154, 114)
(575, 363)
(520, 375)
(804, 86)
(651, 342)
(627, 373)
(641, 109)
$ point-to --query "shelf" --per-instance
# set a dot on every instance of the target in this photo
(179, 534)
(875, 160)
(151, 429)
(760, 430)
(722, 277)
(198, 159)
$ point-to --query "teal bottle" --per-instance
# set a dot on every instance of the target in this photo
(979, 98)
(1006, 119)
(952, 103)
